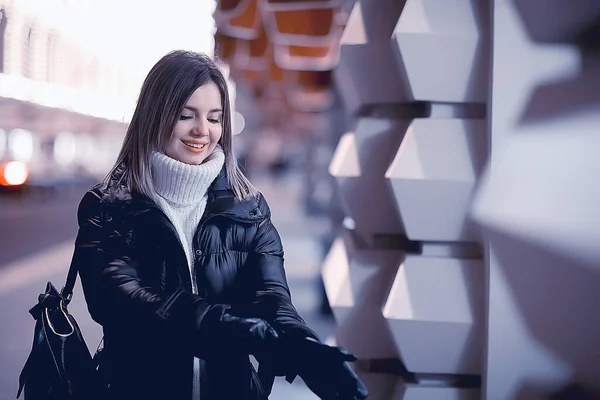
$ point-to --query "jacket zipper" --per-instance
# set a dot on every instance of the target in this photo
(194, 286)
(194, 281)
(196, 374)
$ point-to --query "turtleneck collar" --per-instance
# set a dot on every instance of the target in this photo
(184, 184)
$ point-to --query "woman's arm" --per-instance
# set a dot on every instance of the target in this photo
(323, 368)
(117, 295)
(273, 298)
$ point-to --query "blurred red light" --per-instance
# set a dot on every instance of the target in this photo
(13, 173)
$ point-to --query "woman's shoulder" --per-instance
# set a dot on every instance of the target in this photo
(101, 198)
(263, 205)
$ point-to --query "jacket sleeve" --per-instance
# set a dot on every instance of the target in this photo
(272, 297)
(115, 291)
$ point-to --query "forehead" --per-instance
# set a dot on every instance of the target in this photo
(206, 97)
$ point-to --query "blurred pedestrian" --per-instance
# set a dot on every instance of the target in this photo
(181, 265)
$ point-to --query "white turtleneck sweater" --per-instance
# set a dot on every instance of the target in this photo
(182, 192)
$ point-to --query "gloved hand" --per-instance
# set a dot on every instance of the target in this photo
(326, 371)
(241, 334)
(253, 335)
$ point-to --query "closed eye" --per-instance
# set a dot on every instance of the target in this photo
(185, 117)
(214, 120)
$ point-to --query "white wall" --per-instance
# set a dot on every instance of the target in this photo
(519, 363)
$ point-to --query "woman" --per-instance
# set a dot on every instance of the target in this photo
(180, 263)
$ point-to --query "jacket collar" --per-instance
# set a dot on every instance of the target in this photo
(221, 199)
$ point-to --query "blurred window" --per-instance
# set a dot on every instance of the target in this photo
(20, 144)
(65, 148)
(50, 50)
(2, 143)
(27, 51)
(3, 24)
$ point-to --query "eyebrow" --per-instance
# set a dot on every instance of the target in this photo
(194, 109)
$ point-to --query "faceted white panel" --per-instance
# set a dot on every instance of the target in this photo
(554, 192)
(433, 177)
(357, 283)
(555, 302)
(421, 392)
(435, 312)
(443, 50)
(359, 164)
(557, 21)
(545, 189)
(369, 71)
(534, 299)
(539, 209)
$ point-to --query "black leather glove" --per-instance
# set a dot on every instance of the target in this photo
(326, 371)
(240, 334)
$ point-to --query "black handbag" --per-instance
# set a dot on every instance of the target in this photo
(60, 366)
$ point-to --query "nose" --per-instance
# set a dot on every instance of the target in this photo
(201, 128)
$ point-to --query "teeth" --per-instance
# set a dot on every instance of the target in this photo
(195, 145)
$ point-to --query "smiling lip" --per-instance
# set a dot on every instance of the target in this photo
(191, 145)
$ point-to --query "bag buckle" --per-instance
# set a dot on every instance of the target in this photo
(68, 298)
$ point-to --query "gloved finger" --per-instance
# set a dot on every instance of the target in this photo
(339, 352)
(362, 390)
(345, 355)
(362, 394)
(351, 385)
(262, 329)
(273, 333)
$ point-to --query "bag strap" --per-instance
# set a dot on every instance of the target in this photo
(67, 290)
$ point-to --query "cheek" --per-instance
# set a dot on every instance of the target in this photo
(172, 141)
(179, 131)
(216, 135)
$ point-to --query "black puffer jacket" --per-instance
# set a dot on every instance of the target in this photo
(137, 285)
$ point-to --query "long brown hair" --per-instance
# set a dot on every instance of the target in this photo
(165, 91)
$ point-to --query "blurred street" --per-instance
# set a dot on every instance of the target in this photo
(37, 235)
(31, 224)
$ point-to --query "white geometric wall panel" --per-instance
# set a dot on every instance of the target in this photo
(435, 312)
(357, 283)
(538, 201)
(551, 21)
(550, 169)
(359, 164)
(433, 177)
(443, 50)
(547, 190)
(421, 392)
(368, 71)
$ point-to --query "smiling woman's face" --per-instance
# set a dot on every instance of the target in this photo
(199, 127)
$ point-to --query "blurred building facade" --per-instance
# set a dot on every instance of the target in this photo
(458, 270)
(62, 100)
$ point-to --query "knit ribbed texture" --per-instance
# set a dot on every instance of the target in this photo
(182, 192)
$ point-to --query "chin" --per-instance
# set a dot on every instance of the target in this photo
(194, 160)
(197, 159)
